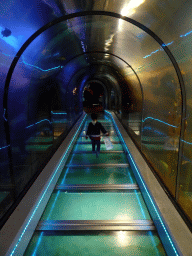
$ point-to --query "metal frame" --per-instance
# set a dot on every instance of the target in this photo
(104, 225)
(102, 152)
(98, 165)
(97, 187)
(86, 142)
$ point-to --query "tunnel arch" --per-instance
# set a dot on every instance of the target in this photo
(96, 80)
(107, 79)
(101, 13)
(114, 55)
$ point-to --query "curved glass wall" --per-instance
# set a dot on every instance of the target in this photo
(45, 97)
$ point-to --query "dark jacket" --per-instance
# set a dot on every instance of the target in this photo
(95, 129)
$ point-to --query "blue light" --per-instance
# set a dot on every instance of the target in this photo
(68, 168)
(143, 213)
(163, 45)
(44, 70)
(53, 205)
(190, 143)
(159, 121)
(155, 131)
(188, 33)
(5, 147)
(151, 54)
(38, 123)
(83, 46)
(4, 114)
(8, 55)
(46, 188)
(39, 240)
(145, 188)
(64, 113)
(56, 54)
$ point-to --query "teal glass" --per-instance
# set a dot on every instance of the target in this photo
(97, 175)
(90, 159)
(112, 138)
(96, 206)
(88, 147)
(124, 243)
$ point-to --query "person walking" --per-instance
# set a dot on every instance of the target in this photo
(93, 131)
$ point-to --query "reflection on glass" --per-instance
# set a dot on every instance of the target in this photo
(185, 183)
(96, 243)
(96, 206)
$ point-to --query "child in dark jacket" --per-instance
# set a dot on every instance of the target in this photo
(93, 131)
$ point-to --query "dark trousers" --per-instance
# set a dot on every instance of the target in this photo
(97, 143)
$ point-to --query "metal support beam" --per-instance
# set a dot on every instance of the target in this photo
(102, 151)
(98, 165)
(97, 187)
(102, 225)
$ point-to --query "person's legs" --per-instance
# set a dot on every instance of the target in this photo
(98, 147)
(93, 145)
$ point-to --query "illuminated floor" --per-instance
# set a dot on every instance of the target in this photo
(96, 207)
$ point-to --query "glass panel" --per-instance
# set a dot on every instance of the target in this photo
(185, 174)
(185, 182)
(131, 114)
(96, 206)
(7, 189)
(41, 108)
(86, 159)
(112, 138)
(160, 125)
(109, 129)
(161, 116)
(88, 147)
(97, 175)
(101, 243)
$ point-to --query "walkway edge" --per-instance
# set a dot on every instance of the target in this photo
(178, 230)
(23, 221)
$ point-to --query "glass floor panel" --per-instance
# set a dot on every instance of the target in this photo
(97, 175)
(110, 130)
(124, 243)
(88, 147)
(87, 159)
(112, 138)
(65, 205)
